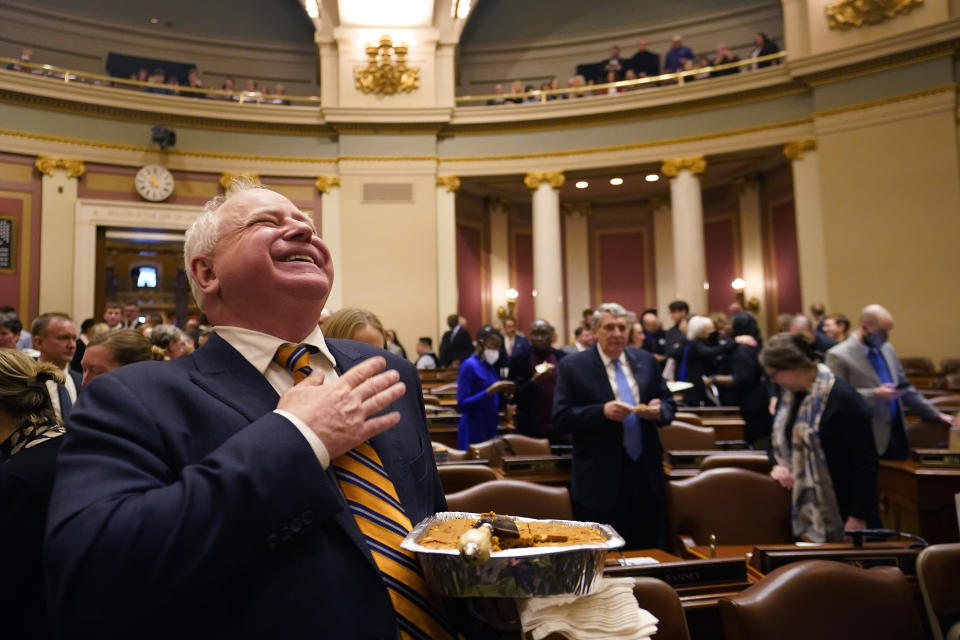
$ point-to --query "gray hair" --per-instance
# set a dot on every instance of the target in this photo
(695, 326)
(614, 309)
(164, 334)
(203, 234)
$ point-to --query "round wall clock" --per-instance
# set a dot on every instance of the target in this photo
(154, 183)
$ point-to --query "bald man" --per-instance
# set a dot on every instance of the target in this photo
(868, 362)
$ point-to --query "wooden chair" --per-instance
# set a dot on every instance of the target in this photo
(946, 402)
(457, 477)
(938, 569)
(950, 365)
(688, 418)
(514, 498)
(522, 445)
(823, 599)
(736, 505)
(687, 437)
(918, 366)
(927, 435)
(757, 464)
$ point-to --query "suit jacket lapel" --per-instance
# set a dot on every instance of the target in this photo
(598, 375)
(859, 358)
(225, 374)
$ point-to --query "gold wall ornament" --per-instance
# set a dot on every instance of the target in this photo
(386, 72)
(795, 149)
(227, 178)
(846, 14)
(452, 183)
(535, 178)
(48, 164)
(325, 183)
(673, 166)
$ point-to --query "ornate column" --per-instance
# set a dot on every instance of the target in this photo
(690, 266)
(499, 212)
(751, 239)
(331, 230)
(808, 211)
(578, 263)
(663, 241)
(547, 264)
(58, 222)
(447, 297)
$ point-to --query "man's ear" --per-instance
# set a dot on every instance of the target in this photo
(205, 276)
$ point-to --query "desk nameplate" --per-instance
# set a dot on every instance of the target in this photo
(515, 465)
(688, 573)
(766, 559)
(937, 458)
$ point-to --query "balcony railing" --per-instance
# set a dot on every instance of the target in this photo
(595, 90)
(96, 79)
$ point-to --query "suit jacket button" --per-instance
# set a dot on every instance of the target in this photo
(296, 525)
(285, 534)
(307, 517)
(273, 541)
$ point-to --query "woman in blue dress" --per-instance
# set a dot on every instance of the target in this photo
(478, 389)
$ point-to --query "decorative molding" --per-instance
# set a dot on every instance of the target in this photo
(576, 209)
(846, 14)
(325, 183)
(47, 165)
(952, 87)
(227, 178)
(534, 179)
(386, 72)
(452, 183)
(658, 202)
(673, 166)
(744, 184)
(795, 149)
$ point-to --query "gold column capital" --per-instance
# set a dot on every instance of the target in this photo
(452, 183)
(227, 178)
(845, 14)
(576, 209)
(325, 183)
(795, 149)
(744, 184)
(534, 179)
(658, 202)
(48, 164)
(673, 166)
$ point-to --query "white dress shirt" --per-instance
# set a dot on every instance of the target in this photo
(259, 350)
(612, 375)
(54, 392)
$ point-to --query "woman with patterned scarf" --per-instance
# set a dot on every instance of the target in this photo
(823, 448)
(29, 441)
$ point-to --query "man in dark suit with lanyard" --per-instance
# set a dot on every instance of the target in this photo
(259, 487)
(612, 400)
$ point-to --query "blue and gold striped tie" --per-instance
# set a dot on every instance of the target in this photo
(376, 508)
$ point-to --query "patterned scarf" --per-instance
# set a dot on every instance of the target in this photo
(815, 513)
(34, 429)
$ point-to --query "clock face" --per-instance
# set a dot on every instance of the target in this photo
(154, 183)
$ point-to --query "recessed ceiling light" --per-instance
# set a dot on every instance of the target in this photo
(583, 184)
(616, 181)
(652, 177)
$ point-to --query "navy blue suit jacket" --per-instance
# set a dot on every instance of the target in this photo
(184, 507)
(582, 389)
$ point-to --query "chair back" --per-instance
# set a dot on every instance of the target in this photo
(950, 365)
(918, 366)
(514, 498)
(522, 445)
(757, 464)
(938, 572)
(457, 477)
(927, 435)
(823, 599)
(660, 599)
(946, 402)
(736, 505)
(687, 437)
(688, 418)
(491, 450)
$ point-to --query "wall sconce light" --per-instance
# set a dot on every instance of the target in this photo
(511, 309)
(752, 305)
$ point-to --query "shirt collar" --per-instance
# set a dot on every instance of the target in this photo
(607, 361)
(259, 348)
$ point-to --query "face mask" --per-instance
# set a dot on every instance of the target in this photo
(491, 355)
(874, 340)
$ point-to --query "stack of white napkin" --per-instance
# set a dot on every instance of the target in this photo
(610, 612)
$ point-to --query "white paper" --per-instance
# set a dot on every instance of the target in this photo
(642, 560)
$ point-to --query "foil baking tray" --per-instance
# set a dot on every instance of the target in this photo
(513, 573)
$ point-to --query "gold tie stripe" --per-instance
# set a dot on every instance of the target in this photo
(373, 501)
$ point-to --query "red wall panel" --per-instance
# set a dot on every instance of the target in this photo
(521, 276)
(720, 242)
(470, 275)
(786, 261)
(621, 269)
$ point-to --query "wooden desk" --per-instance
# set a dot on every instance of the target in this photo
(725, 427)
(919, 500)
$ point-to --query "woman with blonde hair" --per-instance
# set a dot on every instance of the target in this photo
(352, 323)
(29, 441)
(112, 350)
